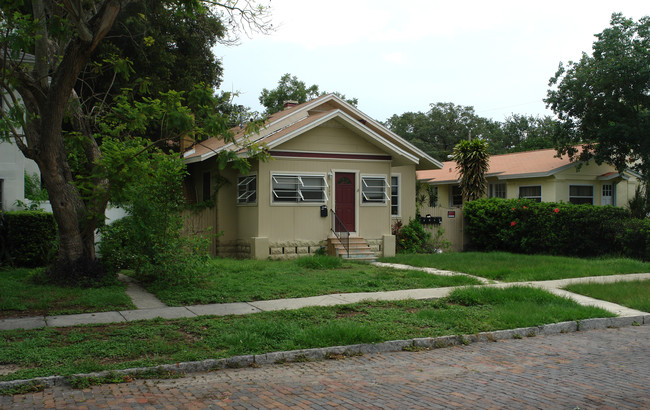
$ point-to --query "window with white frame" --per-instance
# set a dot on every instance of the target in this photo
(394, 195)
(374, 190)
(455, 196)
(581, 194)
(497, 191)
(247, 189)
(299, 188)
(533, 192)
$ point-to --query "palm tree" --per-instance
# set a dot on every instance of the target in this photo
(472, 161)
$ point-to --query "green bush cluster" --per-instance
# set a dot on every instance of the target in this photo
(150, 239)
(412, 238)
(526, 226)
(28, 238)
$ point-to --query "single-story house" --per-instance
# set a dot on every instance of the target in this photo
(13, 166)
(542, 176)
(334, 171)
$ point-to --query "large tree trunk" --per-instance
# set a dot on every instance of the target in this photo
(46, 102)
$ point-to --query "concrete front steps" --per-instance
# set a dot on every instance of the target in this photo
(359, 249)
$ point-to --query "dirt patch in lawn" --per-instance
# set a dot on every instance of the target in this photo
(6, 369)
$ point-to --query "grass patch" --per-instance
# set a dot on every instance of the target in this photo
(633, 294)
(66, 351)
(22, 295)
(509, 267)
(249, 280)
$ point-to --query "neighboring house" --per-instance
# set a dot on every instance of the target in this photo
(329, 161)
(541, 176)
(13, 166)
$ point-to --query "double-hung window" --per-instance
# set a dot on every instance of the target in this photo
(455, 196)
(581, 194)
(497, 191)
(299, 188)
(394, 195)
(247, 189)
(533, 192)
(374, 190)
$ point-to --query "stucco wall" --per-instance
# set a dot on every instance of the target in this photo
(407, 191)
(13, 166)
(555, 188)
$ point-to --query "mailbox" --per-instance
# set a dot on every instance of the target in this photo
(430, 220)
(323, 211)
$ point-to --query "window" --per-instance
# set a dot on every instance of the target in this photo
(299, 188)
(247, 189)
(394, 195)
(497, 191)
(373, 190)
(432, 194)
(581, 194)
(531, 192)
(206, 187)
(455, 196)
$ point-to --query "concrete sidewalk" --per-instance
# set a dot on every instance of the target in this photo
(151, 308)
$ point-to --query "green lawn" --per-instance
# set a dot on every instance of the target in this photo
(66, 351)
(20, 296)
(633, 294)
(249, 280)
(510, 267)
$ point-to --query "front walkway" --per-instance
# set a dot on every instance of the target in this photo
(148, 307)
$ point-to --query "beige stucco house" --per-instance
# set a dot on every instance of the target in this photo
(541, 176)
(334, 172)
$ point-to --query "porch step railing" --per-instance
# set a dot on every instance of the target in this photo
(341, 232)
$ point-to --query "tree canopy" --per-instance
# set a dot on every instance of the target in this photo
(438, 130)
(524, 133)
(290, 88)
(61, 121)
(603, 99)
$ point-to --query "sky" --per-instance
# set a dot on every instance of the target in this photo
(395, 57)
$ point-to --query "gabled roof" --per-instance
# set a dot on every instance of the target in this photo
(293, 121)
(529, 164)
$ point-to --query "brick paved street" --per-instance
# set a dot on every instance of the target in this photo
(608, 368)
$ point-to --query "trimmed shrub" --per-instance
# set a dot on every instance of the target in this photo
(29, 237)
(412, 238)
(526, 226)
(634, 239)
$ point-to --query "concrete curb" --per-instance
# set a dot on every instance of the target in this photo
(344, 351)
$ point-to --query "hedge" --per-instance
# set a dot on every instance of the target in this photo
(29, 237)
(526, 226)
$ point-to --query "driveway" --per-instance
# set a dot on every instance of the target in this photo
(606, 368)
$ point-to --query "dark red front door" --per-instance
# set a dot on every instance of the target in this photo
(344, 195)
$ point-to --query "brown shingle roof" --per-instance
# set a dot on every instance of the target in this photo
(285, 122)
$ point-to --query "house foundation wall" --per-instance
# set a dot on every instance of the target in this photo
(239, 248)
(295, 249)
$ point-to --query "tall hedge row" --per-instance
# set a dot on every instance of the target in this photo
(526, 226)
(29, 238)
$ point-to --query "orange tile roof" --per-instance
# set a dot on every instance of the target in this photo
(530, 163)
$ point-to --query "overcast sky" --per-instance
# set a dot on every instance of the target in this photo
(496, 56)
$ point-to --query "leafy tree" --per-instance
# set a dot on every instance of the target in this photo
(161, 46)
(45, 47)
(525, 133)
(472, 161)
(603, 99)
(437, 131)
(290, 88)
